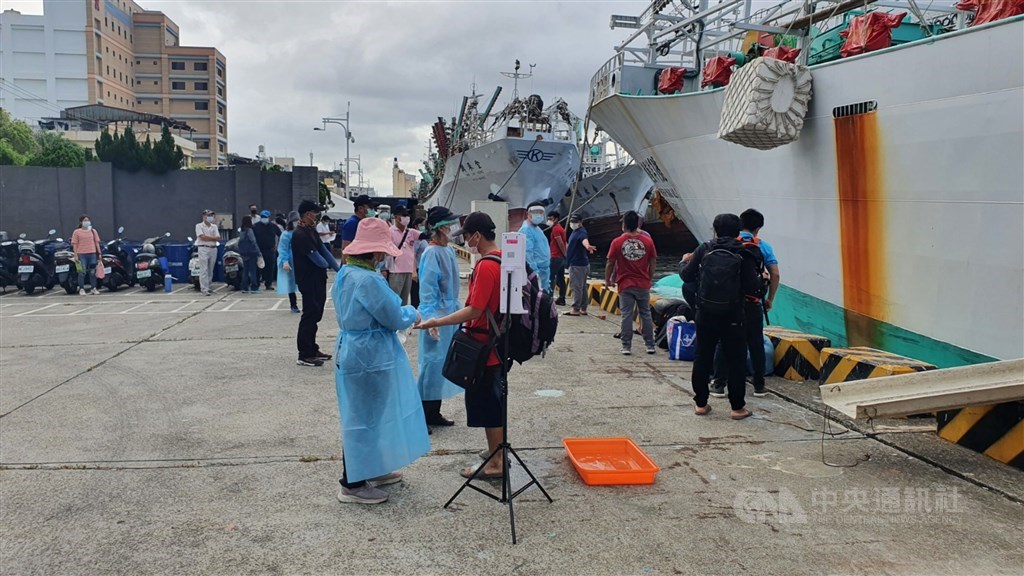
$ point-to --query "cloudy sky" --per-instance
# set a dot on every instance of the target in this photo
(401, 64)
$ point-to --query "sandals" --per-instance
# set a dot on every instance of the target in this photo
(469, 471)
(740, 414)
(571, 314)
(702, 410)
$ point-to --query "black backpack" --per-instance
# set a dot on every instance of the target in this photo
(753, 246)
(530, 334)
(720, 290)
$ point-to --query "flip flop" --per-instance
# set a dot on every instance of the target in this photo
(583, 312)
(468, 473)
(571, 314)
(702, 410)
(740, 414)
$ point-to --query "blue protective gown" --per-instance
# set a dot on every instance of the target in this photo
(538, 253)
(382, 423)
(285, 279)
(439, 296)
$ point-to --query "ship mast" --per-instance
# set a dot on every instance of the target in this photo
(516, 76)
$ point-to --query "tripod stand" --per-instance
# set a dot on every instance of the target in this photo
(505, 449)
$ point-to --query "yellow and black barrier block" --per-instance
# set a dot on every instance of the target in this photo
(797, 355)
(846, 364)
(996, 430)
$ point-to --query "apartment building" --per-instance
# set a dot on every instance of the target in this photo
(132, 60)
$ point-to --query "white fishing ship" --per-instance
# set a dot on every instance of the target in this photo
(522, 154)
(894, 197)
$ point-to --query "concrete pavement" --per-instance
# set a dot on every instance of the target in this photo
(159, 433)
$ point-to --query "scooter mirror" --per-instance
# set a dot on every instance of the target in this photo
(21, 236)
(167, 234)
(190, 239)
(52, 232)
(60, 239)
(120, 229)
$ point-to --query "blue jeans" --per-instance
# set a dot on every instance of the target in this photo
(88, 262)
(251, 274)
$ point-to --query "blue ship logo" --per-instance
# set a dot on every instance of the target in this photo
(535, 155)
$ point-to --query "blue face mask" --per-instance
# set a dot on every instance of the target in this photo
(371, 213)
(537, 219)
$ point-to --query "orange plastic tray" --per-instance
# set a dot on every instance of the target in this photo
(607, 461)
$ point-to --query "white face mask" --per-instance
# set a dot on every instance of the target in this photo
(86, 224)
(264, 220)
(574, 225)
(537, 219)
(209, 219)
(404, 220)
(472, 249)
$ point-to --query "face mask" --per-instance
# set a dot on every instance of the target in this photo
(551, 223)
(371, 213)
(537, 219)
(404, 220)
(575, 225)
(386, 216)
(444, 230)
(86, 224)
(472, 249)
(264, 220)
(379, 266)
(209, 219)
(422, 229)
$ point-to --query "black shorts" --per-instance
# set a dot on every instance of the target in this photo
(483, 402)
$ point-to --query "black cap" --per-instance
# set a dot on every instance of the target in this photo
(575, 218)
(309, 206)
(363, 200)
(440, 214)
(400, 210)
(475, 222)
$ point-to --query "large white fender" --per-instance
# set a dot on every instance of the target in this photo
(765, 104)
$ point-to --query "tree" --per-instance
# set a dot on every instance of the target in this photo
(325, 195)
(125, 152)
(16, 142)
(57, 151)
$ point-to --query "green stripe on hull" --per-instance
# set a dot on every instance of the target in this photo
(799, 311)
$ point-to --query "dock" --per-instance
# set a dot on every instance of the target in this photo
(151, 433)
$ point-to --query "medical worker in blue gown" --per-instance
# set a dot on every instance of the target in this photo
(382, 423)
(538, 250)
(285, 264)
(439, 296)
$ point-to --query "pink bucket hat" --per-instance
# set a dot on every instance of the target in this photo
(373, 235)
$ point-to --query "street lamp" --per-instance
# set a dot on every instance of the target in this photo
(343, 122)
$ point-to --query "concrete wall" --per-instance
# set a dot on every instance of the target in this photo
(34, 199)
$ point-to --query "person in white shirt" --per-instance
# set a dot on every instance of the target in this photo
(207, 238)
(324, 230)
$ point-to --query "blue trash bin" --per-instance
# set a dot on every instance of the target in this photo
(177, 255)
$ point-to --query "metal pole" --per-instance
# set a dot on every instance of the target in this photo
(348, 162)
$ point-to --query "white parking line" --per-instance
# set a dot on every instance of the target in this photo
(136, 306)
(36, 310)
(228, 307)
(77, 312)
(277, 304)
(185, 287)
(180, 308)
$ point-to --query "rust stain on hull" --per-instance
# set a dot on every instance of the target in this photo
(861, 214)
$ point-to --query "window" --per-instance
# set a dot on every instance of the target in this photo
(106, 49)
(220, 109)
(105, 23)
(199, 66)
(203, 144)
(156, 102)
(202, 105)
(220, 128)
(138, 61)
(140, 100)
(177, 85)
(108, 93)
(155, 62)
(108, 68)
(202, 86)
(220, 146)
(220, 91)
(118, 29)
(177, 65)
(220, 72)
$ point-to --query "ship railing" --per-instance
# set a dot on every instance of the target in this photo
(602, 85)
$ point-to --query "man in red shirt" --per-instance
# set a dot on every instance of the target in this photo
(483, 402)
(558, 251)
(631, 261)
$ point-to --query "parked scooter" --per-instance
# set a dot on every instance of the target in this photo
(148, 270)
(233, 267)
(119, 263)
(35, 263)
(8, 264)
(66, 269)
(193, 264)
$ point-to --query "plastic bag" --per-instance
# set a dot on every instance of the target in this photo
(682, 339)
(784, 53)
(769, 358)
(717, 71)
(671, 80)
(870, 32)
(986, 11)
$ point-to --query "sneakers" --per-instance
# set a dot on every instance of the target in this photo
(626, 351)
(323, 357)
(309, 362)
(760, 391)
(95, 292)
(652, 350)
(560, 302)
(392, 478)
(81, 291)
(295, 310)
(718, 391)
(365, 494)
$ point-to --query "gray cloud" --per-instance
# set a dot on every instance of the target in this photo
(401, 64)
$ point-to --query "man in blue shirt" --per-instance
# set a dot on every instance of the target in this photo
(753, 317)
(578, 261)
(363, 206)
(538, 252)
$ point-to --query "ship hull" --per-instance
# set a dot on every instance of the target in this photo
(898, 228)
(510, 169)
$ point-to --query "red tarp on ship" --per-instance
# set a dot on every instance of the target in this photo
(991, 10)
(870, 32)
(717, 71)
(671, 80)
(784, 53)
